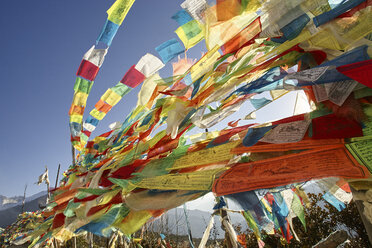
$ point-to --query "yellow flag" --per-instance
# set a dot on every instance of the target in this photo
(111, 97)
(205, 64)
(118, 11)
(133, 221)
(200, 180)
(190, 33)
(76, 118)
(325, 39)
(305, 35)
(80, 99)
(206, 156)
(63, 234)
(96, 114)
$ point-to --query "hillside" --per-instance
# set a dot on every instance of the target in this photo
(9, 202)
(9, 215)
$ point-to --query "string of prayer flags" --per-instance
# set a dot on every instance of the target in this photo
(88, 69)
(82, 89)
(148, 64)
(112, 96)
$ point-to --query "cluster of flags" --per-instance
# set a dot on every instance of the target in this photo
(151, 162)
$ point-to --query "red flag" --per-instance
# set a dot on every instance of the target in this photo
(133, 77)
(359, 71)
(87, 70)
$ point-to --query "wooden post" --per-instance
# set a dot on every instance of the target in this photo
(55, 242)
(24, 199)
(223, 215)
(230, 242)
(74, 242)
(59, 166)
(73, 154)
(48, 186)
(188, 226)
(112, 240)
(91, 241)
(73, 163)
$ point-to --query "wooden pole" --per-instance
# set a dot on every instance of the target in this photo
(188, 226)
(230, 242)
(56, 243)
(73, 154)
(223, 215)
(91, 241)
(59, 166)
(48, 186)
(74, 242)
(73, 163)
(112, 241)
(24, 199)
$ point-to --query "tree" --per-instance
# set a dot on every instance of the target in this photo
(321, 220)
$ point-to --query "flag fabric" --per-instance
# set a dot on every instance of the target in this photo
(43, 177)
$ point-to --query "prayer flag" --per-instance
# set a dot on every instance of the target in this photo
(169, 49)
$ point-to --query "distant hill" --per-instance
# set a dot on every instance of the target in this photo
(9, 215)
(198, 223)
(9, 202)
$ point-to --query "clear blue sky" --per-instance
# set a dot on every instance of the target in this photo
(42, 45)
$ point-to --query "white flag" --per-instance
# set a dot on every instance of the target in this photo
(43, 177)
